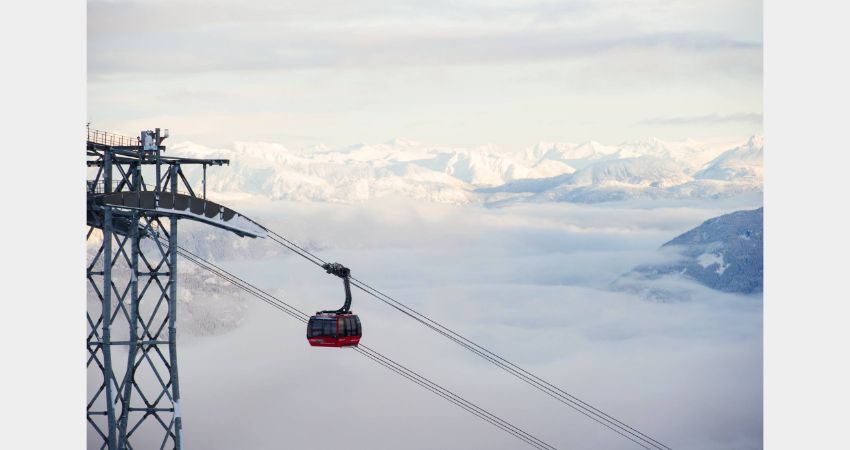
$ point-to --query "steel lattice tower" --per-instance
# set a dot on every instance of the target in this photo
(132, 377)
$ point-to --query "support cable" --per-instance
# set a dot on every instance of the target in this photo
(450, 396)
(540, 384)
(371, 353)
(524, 376)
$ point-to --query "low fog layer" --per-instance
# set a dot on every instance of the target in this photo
(532, 282)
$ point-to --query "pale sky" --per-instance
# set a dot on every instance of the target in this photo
(509, 73)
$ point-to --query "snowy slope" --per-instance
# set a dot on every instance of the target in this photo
(744, 162)
(547, 171)
(641, 171)
(724, 253)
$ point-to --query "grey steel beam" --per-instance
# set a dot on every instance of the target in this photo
(107, 172)
(130, 372)
(106, 314)
(172, 326)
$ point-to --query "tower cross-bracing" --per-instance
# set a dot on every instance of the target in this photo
(135, 197)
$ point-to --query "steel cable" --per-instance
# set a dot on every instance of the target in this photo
(540, 384)
(370, 353)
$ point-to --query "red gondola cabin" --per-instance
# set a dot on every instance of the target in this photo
(333, 329)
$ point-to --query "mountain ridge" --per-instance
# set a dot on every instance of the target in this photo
(547, 171)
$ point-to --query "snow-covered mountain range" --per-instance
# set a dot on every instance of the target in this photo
(548, 171)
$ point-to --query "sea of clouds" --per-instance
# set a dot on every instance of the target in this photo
(532, 282)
